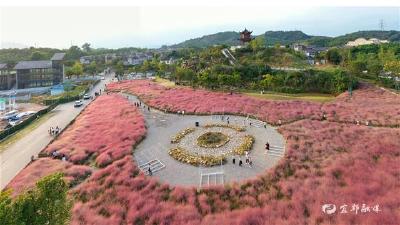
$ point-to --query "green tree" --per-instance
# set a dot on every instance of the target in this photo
(393, 67)
(77, 69)
(357, 67)
(119, 68)
(47, 203)
(74, 53)
(267, 81)
(86, 47)
(37, 55)
(333, 56)
(258, 43)
(6, 208)
(92, 68)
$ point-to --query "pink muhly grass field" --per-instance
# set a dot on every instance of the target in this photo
(379, 107)
(324, 162)
(101, 132)
(198, 101)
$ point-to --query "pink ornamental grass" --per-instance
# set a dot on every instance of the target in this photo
(198, 101)
(106, 133)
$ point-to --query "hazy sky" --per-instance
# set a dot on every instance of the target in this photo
(113, 27)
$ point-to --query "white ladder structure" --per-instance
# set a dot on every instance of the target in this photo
(155, 165)
(276, 151)
(211, 176)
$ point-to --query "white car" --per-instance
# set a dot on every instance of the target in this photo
(78, 103)
(86, 97)
(10, 114)
(27, 113)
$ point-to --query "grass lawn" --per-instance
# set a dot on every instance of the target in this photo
(21, 133)
(165, 82)
(315, 97)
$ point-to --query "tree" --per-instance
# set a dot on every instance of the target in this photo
(86, 47)
(119, 68)
(333, 56)
(258, 43)
(393, 67)
(357, 67)
(36, 55)
(47, 203)
(77, 69)
(92, 68)
(74, 52)
(268, 81)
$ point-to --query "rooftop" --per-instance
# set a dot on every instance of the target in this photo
(58, 56)
(33, 64)
(3, 66)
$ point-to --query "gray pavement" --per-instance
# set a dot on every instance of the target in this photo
(18, 155)
(162, 126)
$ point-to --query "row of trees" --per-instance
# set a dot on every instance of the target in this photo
(376, 62)
(47, 203)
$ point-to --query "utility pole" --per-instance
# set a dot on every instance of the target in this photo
(381, 25)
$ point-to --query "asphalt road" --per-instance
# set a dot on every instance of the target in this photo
(18, 155)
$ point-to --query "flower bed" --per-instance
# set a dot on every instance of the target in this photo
(212, 140)
(237, 128)
(181, 134)
(245, 146)
(184, 156)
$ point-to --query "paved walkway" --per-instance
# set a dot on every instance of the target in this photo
(162, 126)
(18, 155)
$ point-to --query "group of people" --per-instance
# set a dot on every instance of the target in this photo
(57, 155)
(139, 104)
(248, 160)
(223, 118)
(54, 131)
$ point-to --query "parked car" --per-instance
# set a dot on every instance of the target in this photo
(102, 78)
(86, 97)
(26, 113)
(10, 114)
(78, 103)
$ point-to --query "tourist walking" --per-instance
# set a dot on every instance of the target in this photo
(240, 162)
(233, 160)
(250, 163)
(149, 171)
(267, 146)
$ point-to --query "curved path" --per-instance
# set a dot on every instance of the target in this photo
(162, 126)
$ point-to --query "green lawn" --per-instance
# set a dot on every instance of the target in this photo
(164, 82)
(314, 97)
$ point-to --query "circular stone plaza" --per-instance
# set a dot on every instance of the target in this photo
(193, 150)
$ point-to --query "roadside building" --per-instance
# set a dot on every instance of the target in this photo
(31, 74)
(7, 77)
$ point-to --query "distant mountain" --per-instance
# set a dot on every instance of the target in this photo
(287, 38)
(290, 37)
(221, 38)
(392, 36)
